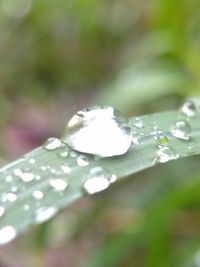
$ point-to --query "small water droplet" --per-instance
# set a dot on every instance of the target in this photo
(32, 161)
(11, 197)
(165, 154)
(98, 180)
(17, 172)
(52, 143)
(65, 168)
(98, 131)
(191, 107)
(95, 185)
(181, 130)
(64, 154)
(58, 184)
(82, 161)
(27, 176)
(45, 213)
(2, 211)
(161, 139)
(38, 194)
(26, 207)
(139, 123)
(7, 234)
(9, 179)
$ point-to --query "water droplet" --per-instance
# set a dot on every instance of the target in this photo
(11, 197)
(45, 213)
(64, 154)
(38, 194)
(7, 234)
(191, 107)
(43, 168)
(2, 211)
(181, 130)
(27, 176)
(65, 168)
(98, 180)
(58, 184)
(98, 131)
(17, 172)
(95, 185)
(26, 207)
(139, 123)
(165, 154)
(32, 161)
(161, 139)
(52, 143)
(9, 179)
(82, 161)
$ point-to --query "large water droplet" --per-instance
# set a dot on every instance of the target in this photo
(7, 234)
(11, 197)
(161, 139)
(58, 184)
(45, 213)
(52, 143)
(98, 131)
(181, 130)
(165, 154)
(27, 176)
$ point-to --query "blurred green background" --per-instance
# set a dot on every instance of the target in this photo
(139, 56)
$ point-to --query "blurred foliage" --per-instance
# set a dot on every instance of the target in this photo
(138, 55)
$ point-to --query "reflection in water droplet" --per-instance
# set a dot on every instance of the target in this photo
(98, 131)
(165, 154)
(7, 234)
(82, 161)
(52, 143)
(58, 184)
(45, 213)
(2, 211)
(38, 194)
(181, 130)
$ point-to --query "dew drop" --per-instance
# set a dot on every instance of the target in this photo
(38, 194)
(11, 197)
(26, 207)
(32, 161)
(191, 107)
(65, 168)
(161, 139)
(52, 143)
(7, 234)
(98, 131)
(17, 172)
(181, 130)
(165, 154)
(2, 211)
(82, 161)
(45, 213)
(64, 154)
(9, 179)
(139, 123)
(27, 176)
(58, 184)
(98, 180)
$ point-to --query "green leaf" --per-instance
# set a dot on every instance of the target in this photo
(33, 202)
